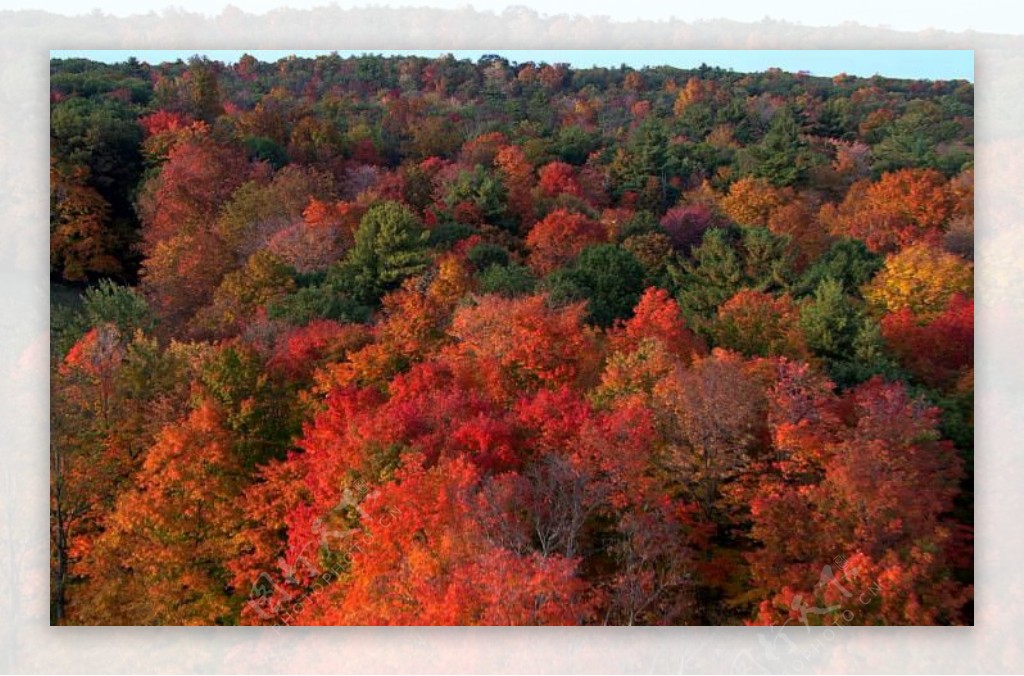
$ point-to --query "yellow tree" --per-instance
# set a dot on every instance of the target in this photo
(921, 278)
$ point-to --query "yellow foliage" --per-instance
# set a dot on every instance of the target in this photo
(751, 201)
(920, 277)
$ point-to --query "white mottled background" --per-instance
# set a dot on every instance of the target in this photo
(27, 32)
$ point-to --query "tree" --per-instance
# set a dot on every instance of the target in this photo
(517, 175)
(517, 345)
(608, 277)
(922, 278)
(559, 238)
(320, 238)
(105, 303)
(389, 246)
(180, 276)
(837, 329)
(782, 157)
(712, 276)
(161, 558)
(935, 351)
(433, 341)
(751, 202)
(81, 473)
(260, 209)
(758, 324)
(413, 324)
(658, 317)
(300, 351)
(848, 262)
(82, 241)
(243, 292)
(185, 197)
(726, 262)
(558, 178)
(830, 321)
(686, 225)
(423, 558)
(799, 223)
(902, 207)
(892, 535)
(717, 410)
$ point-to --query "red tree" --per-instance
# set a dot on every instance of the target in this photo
(559, 238)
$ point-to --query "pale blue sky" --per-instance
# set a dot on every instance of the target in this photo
(927, 64)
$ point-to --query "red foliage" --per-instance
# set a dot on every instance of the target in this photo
(686, 225)
(935, 351)
(161, 121)
(833, 474)
(560, 237)
(482, 150)
(323, 235)
(558, 178)
(190, 189)
(302, 350)
(517, 175)
(657, 316)
(423, 558)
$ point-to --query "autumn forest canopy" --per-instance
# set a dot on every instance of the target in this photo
(407, 340)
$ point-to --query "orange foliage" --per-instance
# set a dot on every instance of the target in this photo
(901, 208)
(752, 201)
(512, 345)
(161, 558)
(517, 175)
(759, 324)
(558, 178)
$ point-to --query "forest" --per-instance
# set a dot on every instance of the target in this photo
(425, 341)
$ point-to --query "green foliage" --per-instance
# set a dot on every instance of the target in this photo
(445, 235)
(71, 315)
(608, 277)
(848, 262)
(642, 222)
(320, 301)
(712, 275)
(122, 306)
(67, 321)
(483, 190)
(767, 259)
(547, 428)
(507, 280)
(726, 261)
(830, 321)
(390, 245)
(574, 144)
(782, 157)
(485, 255)
(914, 138)
(102, 135)
(266, 150)
(837, 329)
(256, 410)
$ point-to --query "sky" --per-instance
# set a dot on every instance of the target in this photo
(924, 64)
